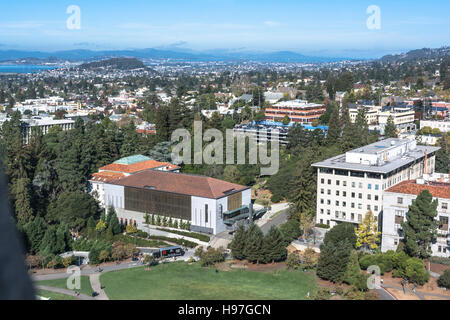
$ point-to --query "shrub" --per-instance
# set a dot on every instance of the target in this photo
(372, 295)
(323, 226)
(292, 262)
(444, 279)
(149, 260)
(211, 256)
(415, 272)
(276, 198)
(440, 260)
(354, 294)
(322, 294)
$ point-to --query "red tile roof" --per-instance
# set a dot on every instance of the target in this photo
(137, 167)
(194, 185)
(107, 176)
(437, 190)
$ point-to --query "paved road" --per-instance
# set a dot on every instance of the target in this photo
(385, 295)
(65, 291)
(97, 287)
(279, 219)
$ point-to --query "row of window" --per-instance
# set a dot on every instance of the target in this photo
(360, 184)
(353, 194)
(352, 205)
(444, 205)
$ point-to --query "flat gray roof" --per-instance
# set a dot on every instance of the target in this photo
(338, 162)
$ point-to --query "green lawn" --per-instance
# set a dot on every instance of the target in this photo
(54, 295)
(180, 281)
(62, 283)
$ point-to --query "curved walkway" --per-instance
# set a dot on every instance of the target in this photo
(66, 292)
(419, 294)
(97, 287)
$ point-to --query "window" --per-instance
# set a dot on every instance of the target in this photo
(359, 206)
(353, 216)
(321, 211)
(337, 192)
(398, 219)
(329, 192)
(322, 181)
(337, 203)
(368, 207)
(321, 221)
(329, 202)
(369, 186)
(376, 209)
(444, 206)
(360, 185)
(337, 182)
(353, 204)
(221, 211)
(359, 195)
(353, 194)
(344, 193)
(369, 197)
(399, 200)
(376, 198)
(321, 201)
(359, 217)
(206, 213)
(322, 191)
(353, 185)
(329, 181)
(328, 212)
(344, 204)
(344, 183)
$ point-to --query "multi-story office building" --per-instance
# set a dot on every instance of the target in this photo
(397, 200)
(44, 125)
(442, 125)
(123, 168)
(351, 184)
(297, 110)
(371, 113)
(209, 205)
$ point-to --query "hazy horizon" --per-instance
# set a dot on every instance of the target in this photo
(325, 29)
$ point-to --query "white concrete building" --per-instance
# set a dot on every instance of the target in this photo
(351, 184)
(442, 125)
(396, 204)
(210, 205)
(44, 125)
(123, 168)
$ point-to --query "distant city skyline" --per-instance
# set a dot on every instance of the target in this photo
(328, 28)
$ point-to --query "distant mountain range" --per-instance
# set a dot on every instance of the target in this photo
(114, 63)
(89, 55)
(419, 54)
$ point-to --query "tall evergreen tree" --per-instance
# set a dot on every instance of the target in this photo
(237, 245)
(334, 129)
(390, 131)
(273, 246)
(253, 248)
(420, 229)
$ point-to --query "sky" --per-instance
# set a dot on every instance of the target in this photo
(320, 28)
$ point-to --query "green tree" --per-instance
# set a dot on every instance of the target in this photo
(237, 245)
(390, 131)
(273, 247)
(420, 229)
(253, 248)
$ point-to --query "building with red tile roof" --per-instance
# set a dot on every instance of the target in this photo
(398, 199)
(208, 204)
(123, 168)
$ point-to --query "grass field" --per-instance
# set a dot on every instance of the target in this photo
(62, 283)
(54, 295)
(181, 281)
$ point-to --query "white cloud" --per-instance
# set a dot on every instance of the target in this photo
(272, 23)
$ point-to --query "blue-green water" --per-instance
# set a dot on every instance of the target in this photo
(25, 68)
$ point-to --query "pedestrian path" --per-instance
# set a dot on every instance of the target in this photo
(421, 295)
(96, 286)
(81, 296)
